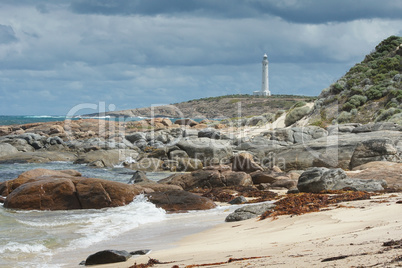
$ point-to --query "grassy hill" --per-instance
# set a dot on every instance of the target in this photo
(229, 106)
(369, 91)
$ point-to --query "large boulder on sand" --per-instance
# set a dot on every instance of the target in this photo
(177, 200)
(315, 180)
(42, 190)
(249, 212)
(389, 171)
(107, 256)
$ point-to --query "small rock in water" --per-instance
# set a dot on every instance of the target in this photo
(138, 176)
(140, 252)
(108, 256)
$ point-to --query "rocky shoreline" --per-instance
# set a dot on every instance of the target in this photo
(209, 163)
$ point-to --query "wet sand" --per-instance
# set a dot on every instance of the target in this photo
(354, 233)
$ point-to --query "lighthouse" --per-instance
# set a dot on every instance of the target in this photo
(265, 82)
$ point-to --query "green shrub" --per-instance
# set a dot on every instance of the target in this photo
(348, 106)
(388, 44)
(356, 91)
(397, 94)
(344, 117)
(358, 100)
(336, 88)
(387, 114)
(296, 114)
(375, 92)
(354, 102)
(391, 104)
(396, 118)
(298, 104)
(358, 68)
(378, 78)
(352, 82)
(279, 113)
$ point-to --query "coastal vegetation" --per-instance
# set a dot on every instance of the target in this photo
(370, 91)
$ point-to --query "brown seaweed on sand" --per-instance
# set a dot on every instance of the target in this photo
(297, 204)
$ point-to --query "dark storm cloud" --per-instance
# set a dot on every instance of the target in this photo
(7, 34)
(299, 11)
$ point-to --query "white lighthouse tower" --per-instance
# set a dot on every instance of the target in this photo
(265, 82)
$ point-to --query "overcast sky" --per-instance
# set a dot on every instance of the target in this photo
(56, 56)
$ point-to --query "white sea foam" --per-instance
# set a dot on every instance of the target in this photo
(128, 160)
(44, 116)
(38, 235)
(15, 247)
(103, 225)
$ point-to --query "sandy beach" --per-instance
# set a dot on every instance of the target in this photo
(354, 231)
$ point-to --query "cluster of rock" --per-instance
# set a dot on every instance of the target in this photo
(42, 189)
(235, 162)
(184, 148)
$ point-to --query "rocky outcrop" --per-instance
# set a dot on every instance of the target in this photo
(333, 151)
(375, 150)
(38, 157)
(107, 256)
(186, 122)
(140, 178)
(147, 164)
(7, 149)
(389, 171)
(207, 150)
(245, 162)
(315, 180)
(177, 200)
(271, 179)
(188, 164)
(249, 212)
(8, 186)
(106, 158)
(295, 134)
(47, 190)
(209, 179)
(209, 133)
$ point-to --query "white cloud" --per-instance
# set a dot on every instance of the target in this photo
(132, 60)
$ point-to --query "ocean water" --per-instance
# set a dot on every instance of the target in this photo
(26, 119)
(64, 238)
